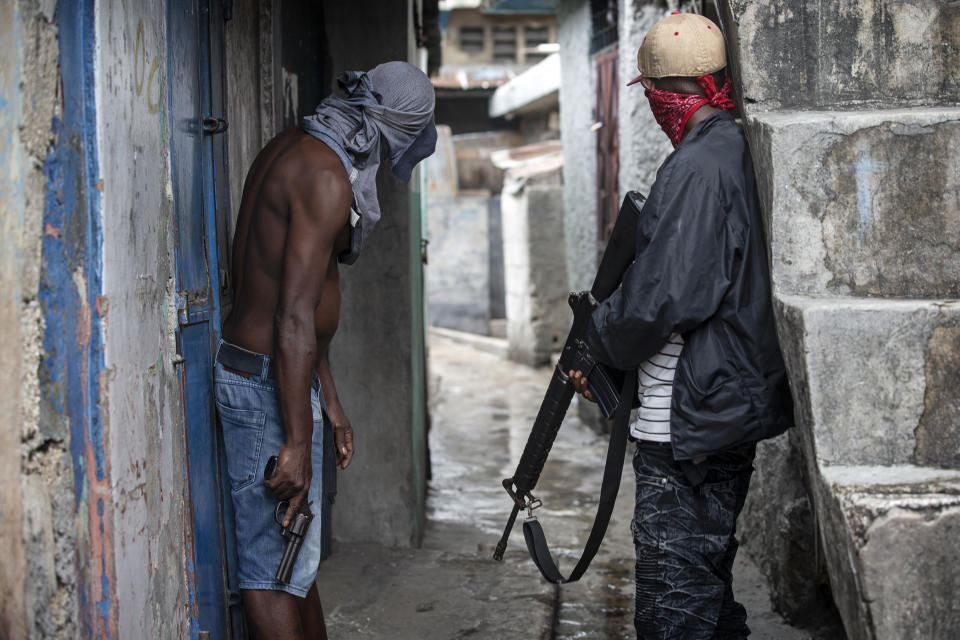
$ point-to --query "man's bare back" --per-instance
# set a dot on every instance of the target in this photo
(287, 169)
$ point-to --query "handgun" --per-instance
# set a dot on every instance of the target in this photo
(295, 532)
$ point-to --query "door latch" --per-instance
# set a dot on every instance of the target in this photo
(193, 306)
(214, 125)
(424, 243)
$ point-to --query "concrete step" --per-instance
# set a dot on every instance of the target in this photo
(891, 535)
(489, 344)
(846, 52)
(861, 203)
(874, 379)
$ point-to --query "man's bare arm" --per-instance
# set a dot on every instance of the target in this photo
(316, 216)
(342, 429)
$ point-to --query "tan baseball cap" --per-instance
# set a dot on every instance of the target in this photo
(682, 44)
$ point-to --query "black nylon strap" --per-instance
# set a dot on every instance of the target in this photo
(612, 471)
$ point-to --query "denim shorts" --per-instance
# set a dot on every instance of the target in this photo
(252, 432)
(685, 542)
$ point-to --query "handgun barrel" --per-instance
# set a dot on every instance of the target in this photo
(290, 553)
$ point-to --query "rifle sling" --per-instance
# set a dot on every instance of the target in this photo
(613, 470)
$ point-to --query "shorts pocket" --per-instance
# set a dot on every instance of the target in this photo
(242, 439)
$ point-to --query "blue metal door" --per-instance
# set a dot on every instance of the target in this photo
(215, 598)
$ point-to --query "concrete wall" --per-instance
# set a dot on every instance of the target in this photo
(464, 273)
(458, 273)
(534, 274)
(475, 170)
(852, 128)
(27, 90)
(140, 386)
(849, 53)
(380, 496)
(243, 71)
(577, 98)
(889, 176)
(643, 145)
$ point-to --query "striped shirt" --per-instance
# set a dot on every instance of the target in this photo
(655, 391)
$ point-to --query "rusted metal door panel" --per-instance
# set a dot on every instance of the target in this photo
(608, 147)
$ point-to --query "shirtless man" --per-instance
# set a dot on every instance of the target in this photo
(308, 202)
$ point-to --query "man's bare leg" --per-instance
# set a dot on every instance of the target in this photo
(272, 614)
(311, 615)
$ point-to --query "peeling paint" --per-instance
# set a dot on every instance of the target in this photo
(73, 361)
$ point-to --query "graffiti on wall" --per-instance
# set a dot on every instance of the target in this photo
(146, 78)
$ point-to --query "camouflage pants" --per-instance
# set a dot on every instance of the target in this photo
(685, 544)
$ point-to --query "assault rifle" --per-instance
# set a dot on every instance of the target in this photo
(614, 391)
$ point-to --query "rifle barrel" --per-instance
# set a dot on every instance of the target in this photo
(544, 432)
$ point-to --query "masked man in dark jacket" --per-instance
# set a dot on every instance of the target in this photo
(694, 316)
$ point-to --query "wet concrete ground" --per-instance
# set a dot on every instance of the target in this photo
(482, 408)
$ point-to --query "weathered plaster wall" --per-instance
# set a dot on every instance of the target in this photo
(643, 145)
(242, 68)
(866, 200)
(534, 278)
(39, 547)
(140, 388)
(851, 126)
(371, 355)
(577, 96)
(14, 171)
(458, 274)
(849, 52)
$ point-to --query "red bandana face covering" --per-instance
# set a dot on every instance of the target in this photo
(672, 110)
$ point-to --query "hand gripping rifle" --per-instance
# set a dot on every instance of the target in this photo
(613, 390)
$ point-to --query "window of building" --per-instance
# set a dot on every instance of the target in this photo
(603, 19)
(471, 39)
(534, 36)
(504, 44)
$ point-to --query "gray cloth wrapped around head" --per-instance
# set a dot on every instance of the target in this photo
(393, 102)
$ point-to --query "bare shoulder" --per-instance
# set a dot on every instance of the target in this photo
(314, 180)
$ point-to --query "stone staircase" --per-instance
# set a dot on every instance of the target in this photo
(852, 112)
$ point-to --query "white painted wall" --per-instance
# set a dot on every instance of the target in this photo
(140, 388)
(534, 275)
(643, 145)
(577, 97)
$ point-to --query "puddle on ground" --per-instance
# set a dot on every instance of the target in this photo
(482, 410)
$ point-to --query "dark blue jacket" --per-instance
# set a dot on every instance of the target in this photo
(701, 270)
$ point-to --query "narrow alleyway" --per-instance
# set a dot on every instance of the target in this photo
(482, 407)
